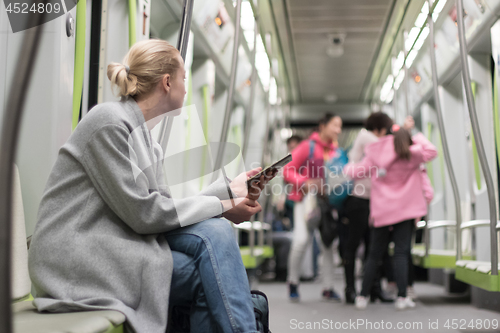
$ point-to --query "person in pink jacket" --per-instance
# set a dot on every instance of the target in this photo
(397, 199)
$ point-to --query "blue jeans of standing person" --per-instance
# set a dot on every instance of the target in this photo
(214, 252)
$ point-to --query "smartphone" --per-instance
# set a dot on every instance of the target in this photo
(276, 166)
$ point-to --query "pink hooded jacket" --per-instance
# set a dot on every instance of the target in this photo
(397, 190)
(301, 168)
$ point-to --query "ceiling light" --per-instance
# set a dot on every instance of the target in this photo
(399, 79)
(421, 19)
(331, 98)
(421, 39)
(286, 133)
(412, 37)
(390, 97)
(398, 63)
(437, 10)
(410, 58)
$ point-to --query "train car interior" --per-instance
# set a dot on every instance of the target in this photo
(265, 78)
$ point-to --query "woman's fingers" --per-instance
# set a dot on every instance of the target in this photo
(253, 172)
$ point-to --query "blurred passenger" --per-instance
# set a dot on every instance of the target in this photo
(293, 142)
(306, 174)
(110, 236)
(282, 228)
(357, 205)
(397, 199)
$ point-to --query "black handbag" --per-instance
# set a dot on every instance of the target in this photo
(328, 227)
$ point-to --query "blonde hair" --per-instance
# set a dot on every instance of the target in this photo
(143, 67)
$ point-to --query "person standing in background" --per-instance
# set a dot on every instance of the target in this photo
(393, 164)
(306, 174)
(357, 205)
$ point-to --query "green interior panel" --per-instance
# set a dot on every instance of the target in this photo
(496, 118)
(260, 253)
(477, 166)
(432, 260)
(115, 329)
(132, 22)
(81, 22)
(478, 279)
(23, 299)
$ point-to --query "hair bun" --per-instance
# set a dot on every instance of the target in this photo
(119, 76)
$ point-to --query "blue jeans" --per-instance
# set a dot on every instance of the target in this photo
(187, 291)
(212, 246)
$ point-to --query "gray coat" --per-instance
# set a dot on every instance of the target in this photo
(98, 242)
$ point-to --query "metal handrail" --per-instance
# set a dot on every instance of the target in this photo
(182, 45)
(248, 116)
(479, 141)
(478, 223)
(229, 102)
(426, 226)
(8, 144)
(253, 82)
(444, 140)
(441, 224)
(421, 225)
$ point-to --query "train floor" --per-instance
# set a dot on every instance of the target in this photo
(435, 312)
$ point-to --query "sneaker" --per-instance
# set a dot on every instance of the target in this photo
(261, 310)
(294, 292)
(404, 302)
(410, 292)
(361, 302)
(331, 295)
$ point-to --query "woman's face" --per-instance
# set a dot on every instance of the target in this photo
(178, 87)
(332, 129)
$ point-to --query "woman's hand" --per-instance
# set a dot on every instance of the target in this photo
(243, 210)
(239, 184)
(256, 187)
(240, 188)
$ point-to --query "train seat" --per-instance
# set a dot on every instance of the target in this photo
(477, 273)
(26, 318)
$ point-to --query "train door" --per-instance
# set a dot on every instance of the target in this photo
(46, 122)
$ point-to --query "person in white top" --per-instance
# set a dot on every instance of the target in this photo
(357, 205)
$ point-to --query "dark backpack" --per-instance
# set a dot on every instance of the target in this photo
(179, 316)
(261, 310)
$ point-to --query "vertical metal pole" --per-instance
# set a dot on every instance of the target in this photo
(253, 82)
(406, 80)
(248, 121)
(8, 145)
(182, 45)
(444, 140)
(477, 135)
(251, 236)
(229, 102)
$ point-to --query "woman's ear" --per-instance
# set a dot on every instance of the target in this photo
(167, 83)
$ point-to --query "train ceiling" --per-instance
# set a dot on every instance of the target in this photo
(330, 46)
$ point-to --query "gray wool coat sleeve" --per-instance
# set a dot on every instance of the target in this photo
(108, 166)
(98, 242)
